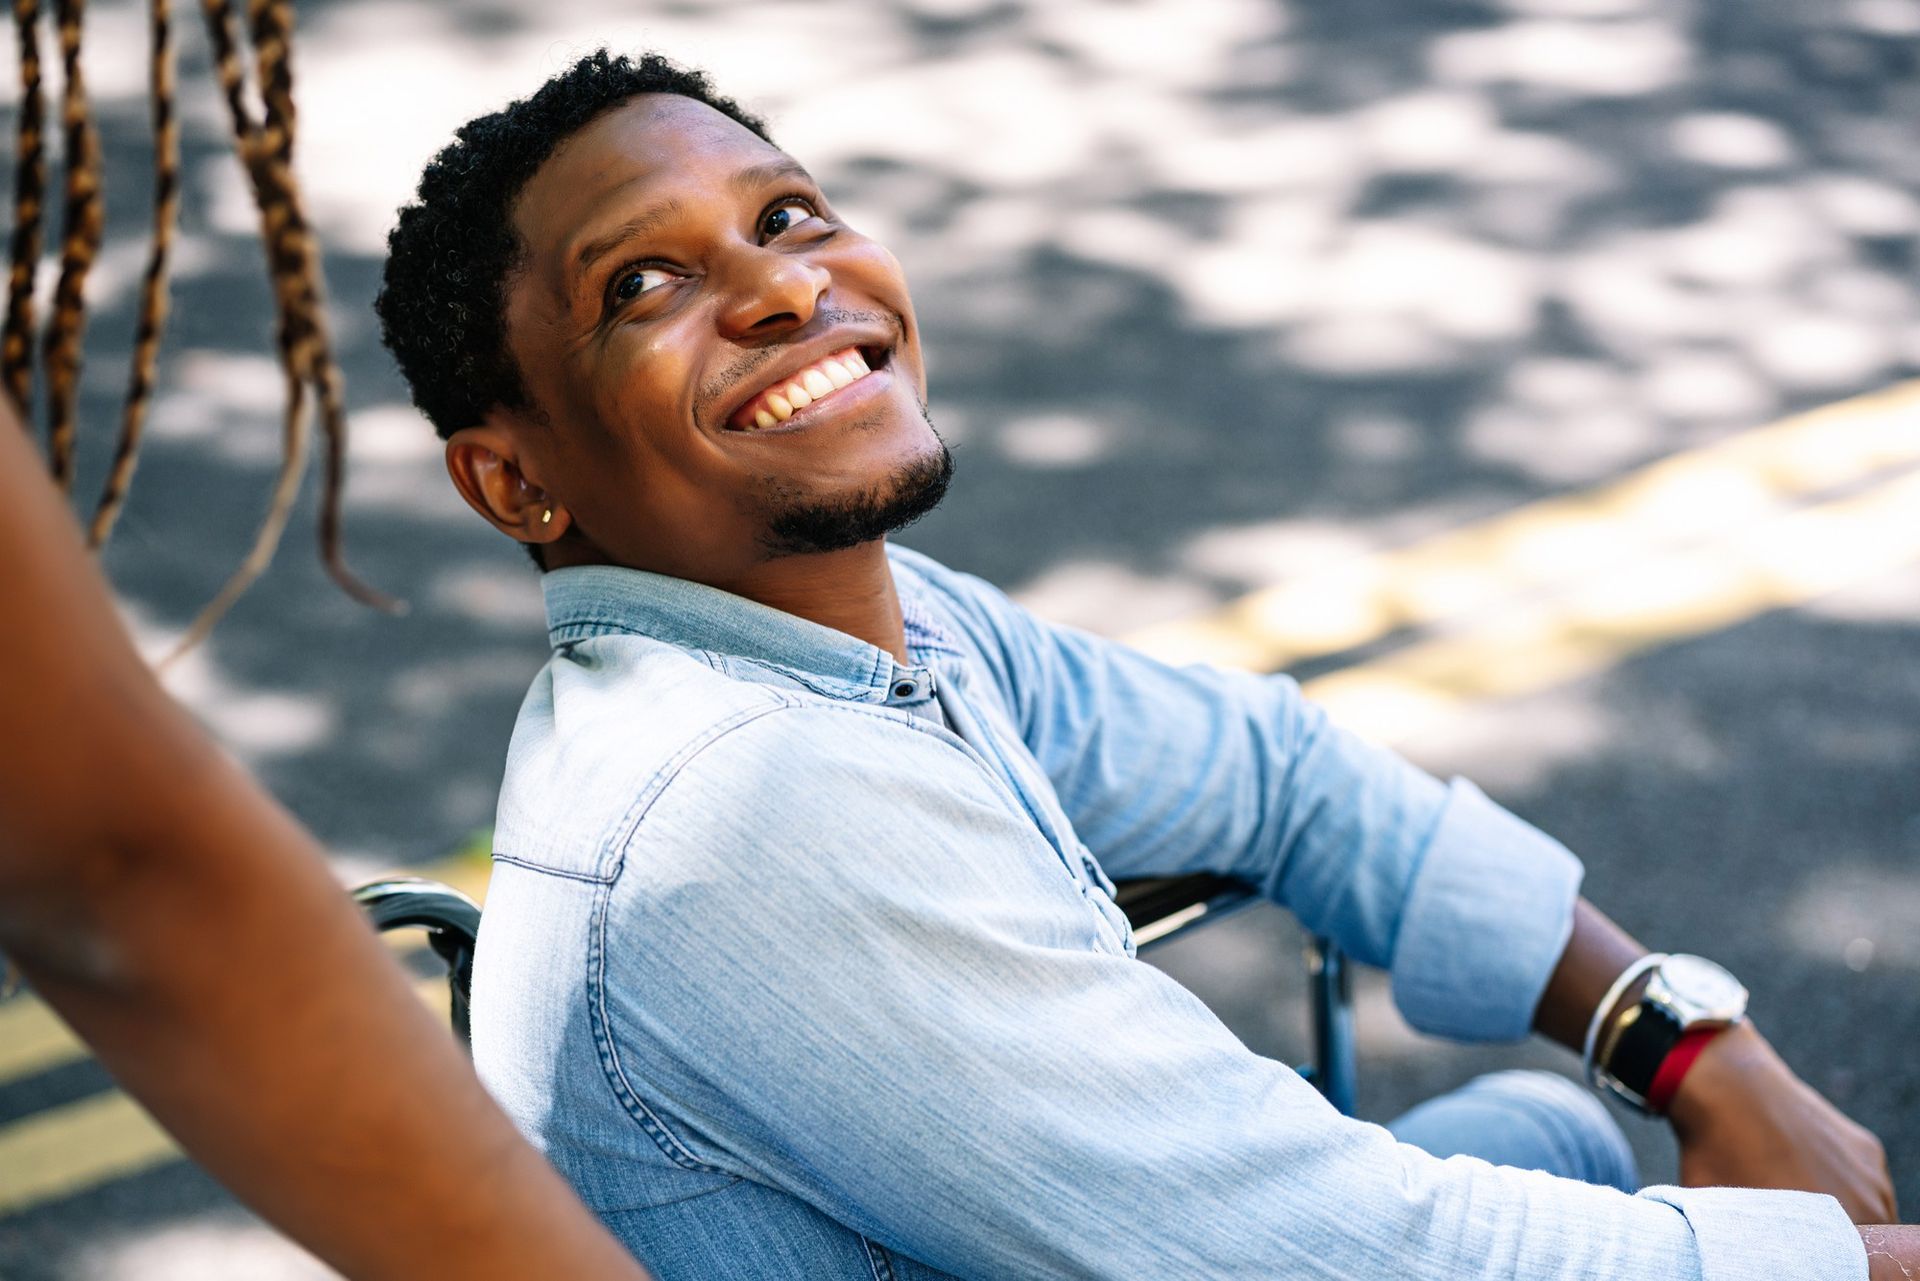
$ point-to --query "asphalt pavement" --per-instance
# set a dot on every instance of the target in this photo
(1218, 297)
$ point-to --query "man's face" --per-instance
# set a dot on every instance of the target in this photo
(723, 372)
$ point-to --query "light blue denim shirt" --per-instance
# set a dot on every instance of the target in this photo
(801, 963)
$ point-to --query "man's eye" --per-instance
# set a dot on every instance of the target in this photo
(634, 281)
(785, 216)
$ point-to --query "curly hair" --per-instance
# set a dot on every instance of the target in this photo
(442, 299)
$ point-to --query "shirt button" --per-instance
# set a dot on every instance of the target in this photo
(905, 689)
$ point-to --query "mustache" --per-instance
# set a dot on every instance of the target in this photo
(748, 363)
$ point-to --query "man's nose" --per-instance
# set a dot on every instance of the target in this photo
(770, 292)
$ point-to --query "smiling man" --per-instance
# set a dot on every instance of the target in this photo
(801, 959)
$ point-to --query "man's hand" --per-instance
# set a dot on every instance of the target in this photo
(1745, 1120)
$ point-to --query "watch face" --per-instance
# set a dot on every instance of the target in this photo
(1698, 982)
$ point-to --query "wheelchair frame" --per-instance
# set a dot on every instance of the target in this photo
(1160, 910)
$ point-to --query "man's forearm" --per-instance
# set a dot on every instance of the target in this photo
(1742, 1117)
(1596, 953)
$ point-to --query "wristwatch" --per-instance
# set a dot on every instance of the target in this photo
(1688, 999)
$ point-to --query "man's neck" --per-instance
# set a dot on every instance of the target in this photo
(850, 591)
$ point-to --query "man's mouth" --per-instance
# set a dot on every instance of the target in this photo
(818, 381)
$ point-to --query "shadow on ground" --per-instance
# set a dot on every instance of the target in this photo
(1210, 290)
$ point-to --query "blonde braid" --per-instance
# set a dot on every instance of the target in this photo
(153, 287)
(272, 39)
(29, 199)
(84, 226)
(293, 260)
(265, 148)
(227, 68)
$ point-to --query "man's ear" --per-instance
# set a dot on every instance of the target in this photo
(486, 466)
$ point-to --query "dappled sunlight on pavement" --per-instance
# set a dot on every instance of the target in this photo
(1454, 356)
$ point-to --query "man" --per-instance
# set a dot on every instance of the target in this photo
(192, 933)
(800, 958)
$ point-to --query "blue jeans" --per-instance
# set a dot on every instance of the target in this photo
(1533, 1120)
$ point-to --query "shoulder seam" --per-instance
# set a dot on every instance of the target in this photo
(547, 869)
(614, 845)
(611, 833)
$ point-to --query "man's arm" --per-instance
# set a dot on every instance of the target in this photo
(1165, 771)
(930, 1034)
(190, 931)
(1893, 1252)
(1742, 1117)
(1475, 912)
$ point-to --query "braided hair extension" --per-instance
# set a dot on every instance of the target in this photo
(248, 137)
(29, 196)
(153, 286)
(273, 38)
(266, 152)
(227, 68)
(83, 228)
(265, 147)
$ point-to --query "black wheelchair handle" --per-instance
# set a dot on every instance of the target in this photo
(452, 923)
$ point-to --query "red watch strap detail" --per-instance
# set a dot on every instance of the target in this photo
(1673, 1068)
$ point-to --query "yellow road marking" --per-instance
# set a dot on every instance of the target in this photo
(1551, 592)
(68, 1149)
(1711, 493)
(1585, 627)
(468, 871)
(33, 1039)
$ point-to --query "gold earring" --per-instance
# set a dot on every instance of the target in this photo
(546, 517)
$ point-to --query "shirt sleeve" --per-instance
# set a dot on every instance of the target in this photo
(838, 964)
(1166, 771)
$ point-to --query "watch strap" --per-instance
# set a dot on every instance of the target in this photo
(1590, 1051)
(1640, 1044)
(1674, 1068)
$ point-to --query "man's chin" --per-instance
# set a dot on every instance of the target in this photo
(807, 524)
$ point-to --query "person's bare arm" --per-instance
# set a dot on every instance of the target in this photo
(190, 931)
(1893, 1252)
(1742, 1117)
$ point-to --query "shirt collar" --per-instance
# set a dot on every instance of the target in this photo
(594, 600)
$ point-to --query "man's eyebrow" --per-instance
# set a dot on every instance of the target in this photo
(773, 171)
(744, 180)
(600, 246)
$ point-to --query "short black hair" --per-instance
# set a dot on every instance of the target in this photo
(442, 298)
(442, 302)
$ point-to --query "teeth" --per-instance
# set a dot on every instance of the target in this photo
(810, 385)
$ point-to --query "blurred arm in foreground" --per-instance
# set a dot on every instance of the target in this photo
(190, 931)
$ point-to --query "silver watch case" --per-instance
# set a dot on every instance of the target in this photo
(1696, 992)
(1691, 992)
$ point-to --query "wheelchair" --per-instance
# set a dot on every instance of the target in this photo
(1160, 909)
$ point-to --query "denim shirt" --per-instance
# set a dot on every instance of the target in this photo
(802, 963)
